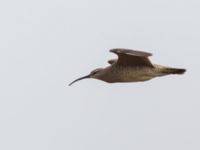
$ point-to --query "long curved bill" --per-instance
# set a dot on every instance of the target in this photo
(85, 77)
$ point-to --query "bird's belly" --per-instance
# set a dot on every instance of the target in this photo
(134, 75)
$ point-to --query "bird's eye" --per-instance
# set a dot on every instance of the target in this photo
(94, 72)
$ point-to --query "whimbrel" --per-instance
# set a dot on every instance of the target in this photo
(131, 66)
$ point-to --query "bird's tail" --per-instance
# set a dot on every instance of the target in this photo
(173, 70)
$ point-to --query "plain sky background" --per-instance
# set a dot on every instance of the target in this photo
(45, 44)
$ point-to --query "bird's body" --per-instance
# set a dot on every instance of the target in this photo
(131, 66)
(116, 73)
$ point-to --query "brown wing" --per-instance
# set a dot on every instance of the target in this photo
(132, 57)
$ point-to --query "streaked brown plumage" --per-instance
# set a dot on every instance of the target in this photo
(131, 66)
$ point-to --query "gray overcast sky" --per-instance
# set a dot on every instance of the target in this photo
(45, 44)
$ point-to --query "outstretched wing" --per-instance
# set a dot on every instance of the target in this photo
(132, 57)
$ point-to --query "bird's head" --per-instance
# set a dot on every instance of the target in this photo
(95, 74)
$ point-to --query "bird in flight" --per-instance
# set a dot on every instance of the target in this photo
(131, 66)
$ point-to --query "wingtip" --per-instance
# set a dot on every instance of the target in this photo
(118, 50)
(113, 50)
